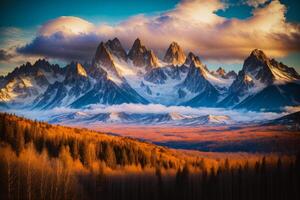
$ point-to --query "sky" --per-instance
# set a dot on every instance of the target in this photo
(221, 32)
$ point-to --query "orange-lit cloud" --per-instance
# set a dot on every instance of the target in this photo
(67, 25)
(192, 23)
(255, 3)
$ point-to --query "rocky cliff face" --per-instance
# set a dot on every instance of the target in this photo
(28, 81)
(75, 84)
(141, 56)
(116, 48)
(196, 82)
(192, 58)
(258, 72)
(174, 55)
(103, 59)
(113, 77)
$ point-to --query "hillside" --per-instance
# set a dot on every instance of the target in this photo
(42, 161)
(85, 145)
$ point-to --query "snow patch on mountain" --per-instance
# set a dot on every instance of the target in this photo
(218, 81)
(149, 114)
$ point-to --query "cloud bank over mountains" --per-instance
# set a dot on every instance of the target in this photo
(236, 115)
(194, 24)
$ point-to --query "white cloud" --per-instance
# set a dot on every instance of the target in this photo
(236, 115)
(292, 109)
(255, 3)
(68, 25)
(192, 23)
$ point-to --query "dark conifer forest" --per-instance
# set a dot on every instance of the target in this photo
(43, 161)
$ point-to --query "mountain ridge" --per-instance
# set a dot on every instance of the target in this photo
(115, 77)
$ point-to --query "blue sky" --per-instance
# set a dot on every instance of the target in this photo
(21, 21)
(32, 13)
(35, 12)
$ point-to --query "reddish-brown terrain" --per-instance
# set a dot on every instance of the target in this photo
(213, 138)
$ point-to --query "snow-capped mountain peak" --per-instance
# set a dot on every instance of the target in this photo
(266, 70)
(113, 77)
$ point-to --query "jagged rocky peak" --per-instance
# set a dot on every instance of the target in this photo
(241, 84)
(231, 74)
(116, 48)
(76, 69)
(200, 69)
(192, 57)
(42, 62)
(259, 54)
(268, 71)
(103, 55)
(103, 59)
(290, 71)
(221, 72)
(195, 80)
(151, 59)
(175, 55)
(258, 66)
(137, 49)
(255, 61)
(141, 56)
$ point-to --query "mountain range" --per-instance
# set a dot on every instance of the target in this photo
(172, 118)
(116, 76)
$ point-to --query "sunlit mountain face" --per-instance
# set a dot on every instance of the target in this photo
(103, 98)
(180, 88)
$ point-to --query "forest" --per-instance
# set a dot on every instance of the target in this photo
(43, 161)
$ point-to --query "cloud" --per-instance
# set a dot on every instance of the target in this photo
(194, 24)
(58, 45)
(10, 39)
(256, 3)
(292, 109)
(4, 55)
(66, 25)
(235, 115)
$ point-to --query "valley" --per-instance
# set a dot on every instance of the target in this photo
(150, 100)
(247, 138)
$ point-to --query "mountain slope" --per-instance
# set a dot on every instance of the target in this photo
(196, 82)
(76, 84)
(174, 55)
(273, 98)
(288, 120)
(141, 56)
(107, 92)
(262, 80)
(25, 83)
(115, 77)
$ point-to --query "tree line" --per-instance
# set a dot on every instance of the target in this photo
(42, 161)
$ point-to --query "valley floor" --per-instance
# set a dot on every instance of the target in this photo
(247, 138)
